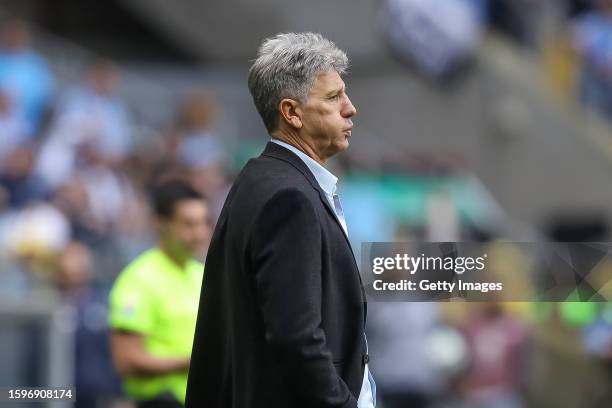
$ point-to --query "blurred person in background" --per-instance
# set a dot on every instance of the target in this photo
(80, 160)
(134, 232)
(95, 379)
(13, 127)
(404, 378)
(92, 205)
(438, 39)
(396, 329)
(91, 127)
(195, 140)
(200, 149)
(17, 178)
(597, 338)
(592, 40)
(24, 74)
(33, 236)
(496, 342)
(211, 181)
(154, 301)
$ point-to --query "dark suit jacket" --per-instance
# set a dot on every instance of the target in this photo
(282, 309)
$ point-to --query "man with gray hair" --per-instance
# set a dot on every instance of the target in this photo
(282, 312)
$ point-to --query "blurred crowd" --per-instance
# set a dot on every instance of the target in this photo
(75, 187)
(70, 170)
(573, 38)
(74, 210)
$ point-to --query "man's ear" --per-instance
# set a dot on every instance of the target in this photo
(291, 113)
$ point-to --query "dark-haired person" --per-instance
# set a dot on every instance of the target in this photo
(282, 321)
(154, 301)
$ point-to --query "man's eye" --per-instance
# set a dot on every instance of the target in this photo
(335, 97)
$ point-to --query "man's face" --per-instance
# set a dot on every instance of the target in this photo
(326, 115)
(74, 269)
(188, 230)
(104, 78)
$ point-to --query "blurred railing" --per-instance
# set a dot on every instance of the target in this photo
(37, 338)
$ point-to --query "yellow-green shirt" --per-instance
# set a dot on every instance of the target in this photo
(155, 297)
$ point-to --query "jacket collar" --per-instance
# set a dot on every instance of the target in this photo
(327, 181)
(279, 152)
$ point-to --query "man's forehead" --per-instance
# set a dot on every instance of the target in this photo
(328, 81)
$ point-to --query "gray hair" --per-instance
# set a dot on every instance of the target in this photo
(287, 66)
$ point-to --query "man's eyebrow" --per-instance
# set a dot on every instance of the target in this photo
(335, 91)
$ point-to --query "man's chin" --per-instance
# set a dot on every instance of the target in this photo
(344, 143)
(338, 146)
(195, 249)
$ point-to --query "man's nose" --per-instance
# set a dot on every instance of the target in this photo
(349, 109)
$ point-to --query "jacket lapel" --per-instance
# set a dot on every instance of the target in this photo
(279, 152)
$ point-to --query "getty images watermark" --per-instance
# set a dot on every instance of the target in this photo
(413, 264)
(492, 271)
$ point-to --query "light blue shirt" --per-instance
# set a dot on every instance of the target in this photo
(327, 181)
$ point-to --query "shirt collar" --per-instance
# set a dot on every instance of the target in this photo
(327, 181)
(169, 263)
